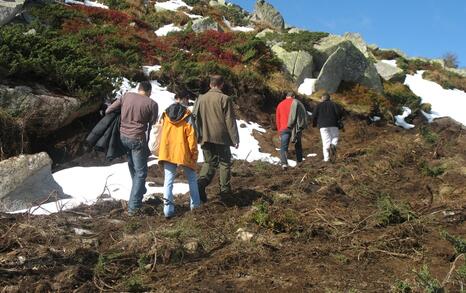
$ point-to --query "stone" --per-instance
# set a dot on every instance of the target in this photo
(371, 78)
(331, 74)
(27, 180)
(295, 30)
(263, 33)
(299, 64)
(217, 3)
(40, 111)
(30, 32)
(244, 235)
(267, 14)
(9, 9)
(388, 72)
(192, 246)
(205, 24)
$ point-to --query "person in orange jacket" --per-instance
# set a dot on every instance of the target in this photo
(178, 147)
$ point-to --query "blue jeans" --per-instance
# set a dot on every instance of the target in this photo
(285, 137)
(170, 174)
(137, 152)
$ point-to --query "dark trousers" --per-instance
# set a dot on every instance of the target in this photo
(285, 137)
(215, 156)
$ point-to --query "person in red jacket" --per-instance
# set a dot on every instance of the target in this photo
(291, 119)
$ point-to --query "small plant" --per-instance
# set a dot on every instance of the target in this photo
(341, 258)
(432, 171)
(458, 243)
(428, 135)
(391, 212)
(461, 273)
(301, 41)
(428, 282)
(134, 283)
(132, 226)
(401, 287)
(143, 261)
(261, 214)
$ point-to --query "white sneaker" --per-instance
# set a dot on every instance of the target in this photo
(284, 167)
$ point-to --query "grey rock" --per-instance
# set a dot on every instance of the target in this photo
(388, 72)
(9, 9)
(205, 24)
(299, 64)
(40, 111)
(27, 180)
(30, 32)
(295, 30)
(371, 78)
(217, 3)
(267, 14)
(263, 33)
(332, 73)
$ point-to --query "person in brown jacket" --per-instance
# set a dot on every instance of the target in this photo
(215, 121)
(138, 110)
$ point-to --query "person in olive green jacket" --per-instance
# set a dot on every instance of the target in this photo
(215, 121)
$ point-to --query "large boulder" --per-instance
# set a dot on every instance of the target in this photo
(41, 112)
(299, 64)
(267, 14)
(27, 180)
(347, 63)
(389, 72)
(205, 24)
(217, 3)
(9, 9)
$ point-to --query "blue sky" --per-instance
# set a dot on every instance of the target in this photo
(426, 28)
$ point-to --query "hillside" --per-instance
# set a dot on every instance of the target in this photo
(388, 216)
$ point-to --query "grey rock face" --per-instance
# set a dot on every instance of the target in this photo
(205, 24)
(299, 63)
(40, 111)
(266, 13)
(9, 9)
(332, 73)
(388, 72)
(27, 180)
(371, 78)
(217, 3)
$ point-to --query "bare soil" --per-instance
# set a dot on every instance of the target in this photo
(319, 227)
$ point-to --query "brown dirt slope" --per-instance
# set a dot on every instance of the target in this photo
(375, 221)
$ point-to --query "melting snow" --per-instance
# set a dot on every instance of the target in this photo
(172, 5)
(87, 3)
(193, 16)
(148, 69)
(451, 103)
(165, 30)
(238, 28)
(400, 119)
(308, 86)
(390, 62)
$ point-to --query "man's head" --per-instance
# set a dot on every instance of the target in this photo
(182, 97)
(325, 97)
(216, 81)
(290, 95)
(145, 88)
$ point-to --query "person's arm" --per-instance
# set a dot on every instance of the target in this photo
(230, 119)
(277, 117)
(155, 113)
(192, 139)
(114, 107)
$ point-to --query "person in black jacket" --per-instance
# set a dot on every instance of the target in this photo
(327, 116)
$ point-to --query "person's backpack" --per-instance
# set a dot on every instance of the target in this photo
(155, 137)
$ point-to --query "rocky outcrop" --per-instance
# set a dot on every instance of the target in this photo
(346, 62)
(27, 180)
(9, 9)
(205, 24)
(217, 3)
(389, 72)
(267, 14)
(41, 112)
(263, 34)
(298, 64)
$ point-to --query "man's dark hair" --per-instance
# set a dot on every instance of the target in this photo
(182, 94)
(216, 80)
(145, 86)
(290, 94)
(326, 96)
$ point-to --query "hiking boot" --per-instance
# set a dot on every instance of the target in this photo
(284, 167)
(202, 193)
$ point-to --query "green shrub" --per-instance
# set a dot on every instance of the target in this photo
(303, 40)
(400, 95)
(390, 212)
(432, 171)
(401, 287)
(428, 282)
(428, 135)
(261, 216)
(116, 4)
(458, 243)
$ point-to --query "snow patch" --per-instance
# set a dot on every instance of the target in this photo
(87, 3)
(400, 119)
(165, 30)
(389, 62)
(172, 5)
(308, 86)
(193, 16)
(444, 102)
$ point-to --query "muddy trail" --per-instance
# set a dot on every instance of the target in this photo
(388, 215)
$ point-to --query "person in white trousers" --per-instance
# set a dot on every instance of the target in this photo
(327, 116)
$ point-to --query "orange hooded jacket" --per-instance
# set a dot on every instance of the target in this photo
(178, 143)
